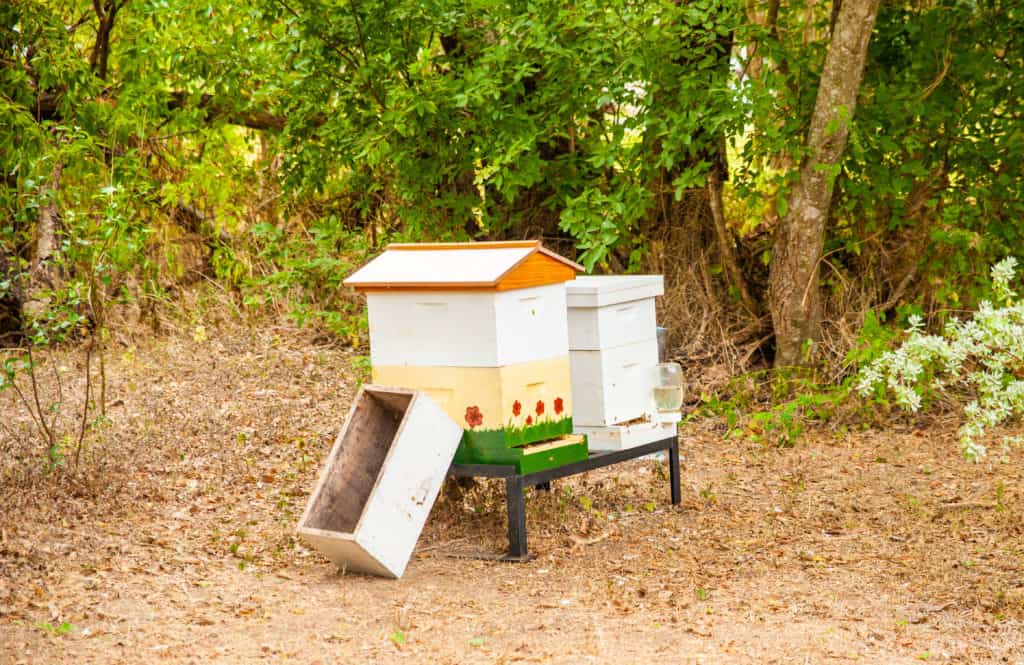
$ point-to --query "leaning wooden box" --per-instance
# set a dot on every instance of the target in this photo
(613, 351)
(380, 481)
(482, 329)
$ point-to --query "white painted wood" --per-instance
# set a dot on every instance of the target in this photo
(402, 495)
(593, 328)
(467, 329)
(531, 324)
(345, 552)
(604, 290)
(408, 485)
(621, 437)
(614, 385)
(432, 328)
(439, 266)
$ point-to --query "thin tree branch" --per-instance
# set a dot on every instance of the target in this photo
(35, 396)
(85, 407)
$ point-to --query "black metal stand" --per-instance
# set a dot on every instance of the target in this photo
(516, 483)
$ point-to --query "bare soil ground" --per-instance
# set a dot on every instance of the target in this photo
(177, 544)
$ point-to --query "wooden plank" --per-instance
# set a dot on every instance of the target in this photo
(570, 440)
(561, 259)
(409, 483)
(391, 287)
(538, 269)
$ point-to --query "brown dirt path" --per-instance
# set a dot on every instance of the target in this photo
(871, 548)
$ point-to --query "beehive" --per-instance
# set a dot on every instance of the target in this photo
(614, 352)
(481, 328)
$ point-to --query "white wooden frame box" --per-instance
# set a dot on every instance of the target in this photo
(467, 328)
(380, 481)
(611, 310)
(613, 386)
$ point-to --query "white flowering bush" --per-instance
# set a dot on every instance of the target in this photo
(983, 355)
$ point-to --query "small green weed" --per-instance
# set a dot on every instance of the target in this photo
(64, 628)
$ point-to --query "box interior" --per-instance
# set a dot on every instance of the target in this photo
(353, 471)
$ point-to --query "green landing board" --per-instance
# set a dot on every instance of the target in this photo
(487, 450)
(549, 459)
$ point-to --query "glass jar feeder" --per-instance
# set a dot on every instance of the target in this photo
(668, 392)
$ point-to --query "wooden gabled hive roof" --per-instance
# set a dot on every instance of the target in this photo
(483, 266)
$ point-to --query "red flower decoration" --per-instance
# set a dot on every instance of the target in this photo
(559, 404)
(540, 408)
(473, 416)
(529, 420)
(517, 408)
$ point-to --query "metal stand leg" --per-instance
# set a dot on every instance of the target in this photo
(517, 550)
(673, 470)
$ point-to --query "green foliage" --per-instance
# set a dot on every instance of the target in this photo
(944, 86)
(927, 188)
(873, 339)
(472, 116)
(273, 146)
(982, 356)
(775, 408)
(303, 274)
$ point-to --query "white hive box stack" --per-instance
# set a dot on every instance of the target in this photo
(380, 481)
(613, 350)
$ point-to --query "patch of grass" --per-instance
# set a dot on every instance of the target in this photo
(64, 628)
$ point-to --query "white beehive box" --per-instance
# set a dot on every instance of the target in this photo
(380, 481)
(613, 386)
(613, 348)
(467, 328)
(609, 311)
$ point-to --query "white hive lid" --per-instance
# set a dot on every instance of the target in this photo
(602, 290)
(478, 265)
(481, 267)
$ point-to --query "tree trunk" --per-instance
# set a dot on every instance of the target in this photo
(727, 244)
(800, 236)
(10, 296)
(42, 276)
